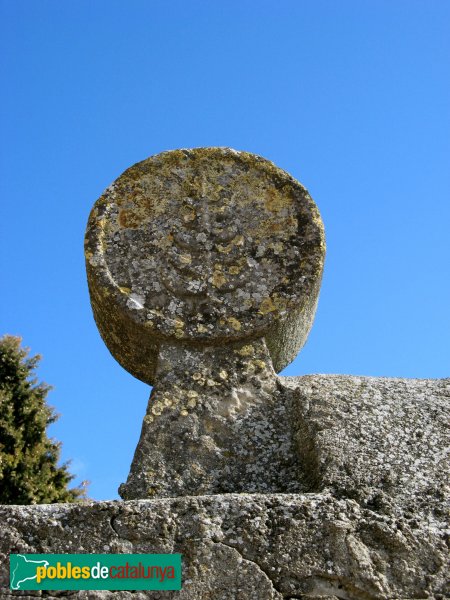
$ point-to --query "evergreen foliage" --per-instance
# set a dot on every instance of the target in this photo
(29, 471)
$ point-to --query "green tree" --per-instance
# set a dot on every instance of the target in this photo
(29, 471)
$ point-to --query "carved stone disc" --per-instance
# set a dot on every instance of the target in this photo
(204, 246)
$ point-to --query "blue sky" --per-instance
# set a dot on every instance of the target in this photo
(351, 97)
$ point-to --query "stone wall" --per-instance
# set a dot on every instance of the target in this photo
(373, 525)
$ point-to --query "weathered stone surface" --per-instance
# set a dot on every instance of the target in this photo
(206, 246)
(382, 441)
(373, 526)
(249, 547)
(217, 421)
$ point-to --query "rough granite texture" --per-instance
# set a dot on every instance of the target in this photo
(373, 525)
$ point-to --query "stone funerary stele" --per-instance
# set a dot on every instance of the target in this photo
(204, 268)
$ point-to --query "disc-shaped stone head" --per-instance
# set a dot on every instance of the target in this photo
(203, 246)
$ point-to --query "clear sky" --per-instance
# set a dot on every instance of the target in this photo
(352, 97)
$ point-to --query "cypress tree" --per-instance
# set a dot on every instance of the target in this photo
(29, 471)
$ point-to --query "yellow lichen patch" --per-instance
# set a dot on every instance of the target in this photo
(88, 254)
(192, 186)
(144, 201)
(280, 303)
(249, 367)
(129, 219)
(179, 333)
(247, 350)
(192, 394)
(201, 328)
(223, 374)
(179, 324)
(221, 209)
(125, 290)
(168, 401)
(188, 214)
(259, 363)
(283, 228)
(218, 279)
(267, 306)
(235, 324)
(185, 259)
(275, 200)
(192, 402)
(277, 247)
(157, 408)
(290, 223)
(148, 419)
(210, 382)
(234, 270)
(196, 376)
(184, 413)
(224, 249)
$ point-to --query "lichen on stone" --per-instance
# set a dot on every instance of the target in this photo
(221, 241)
